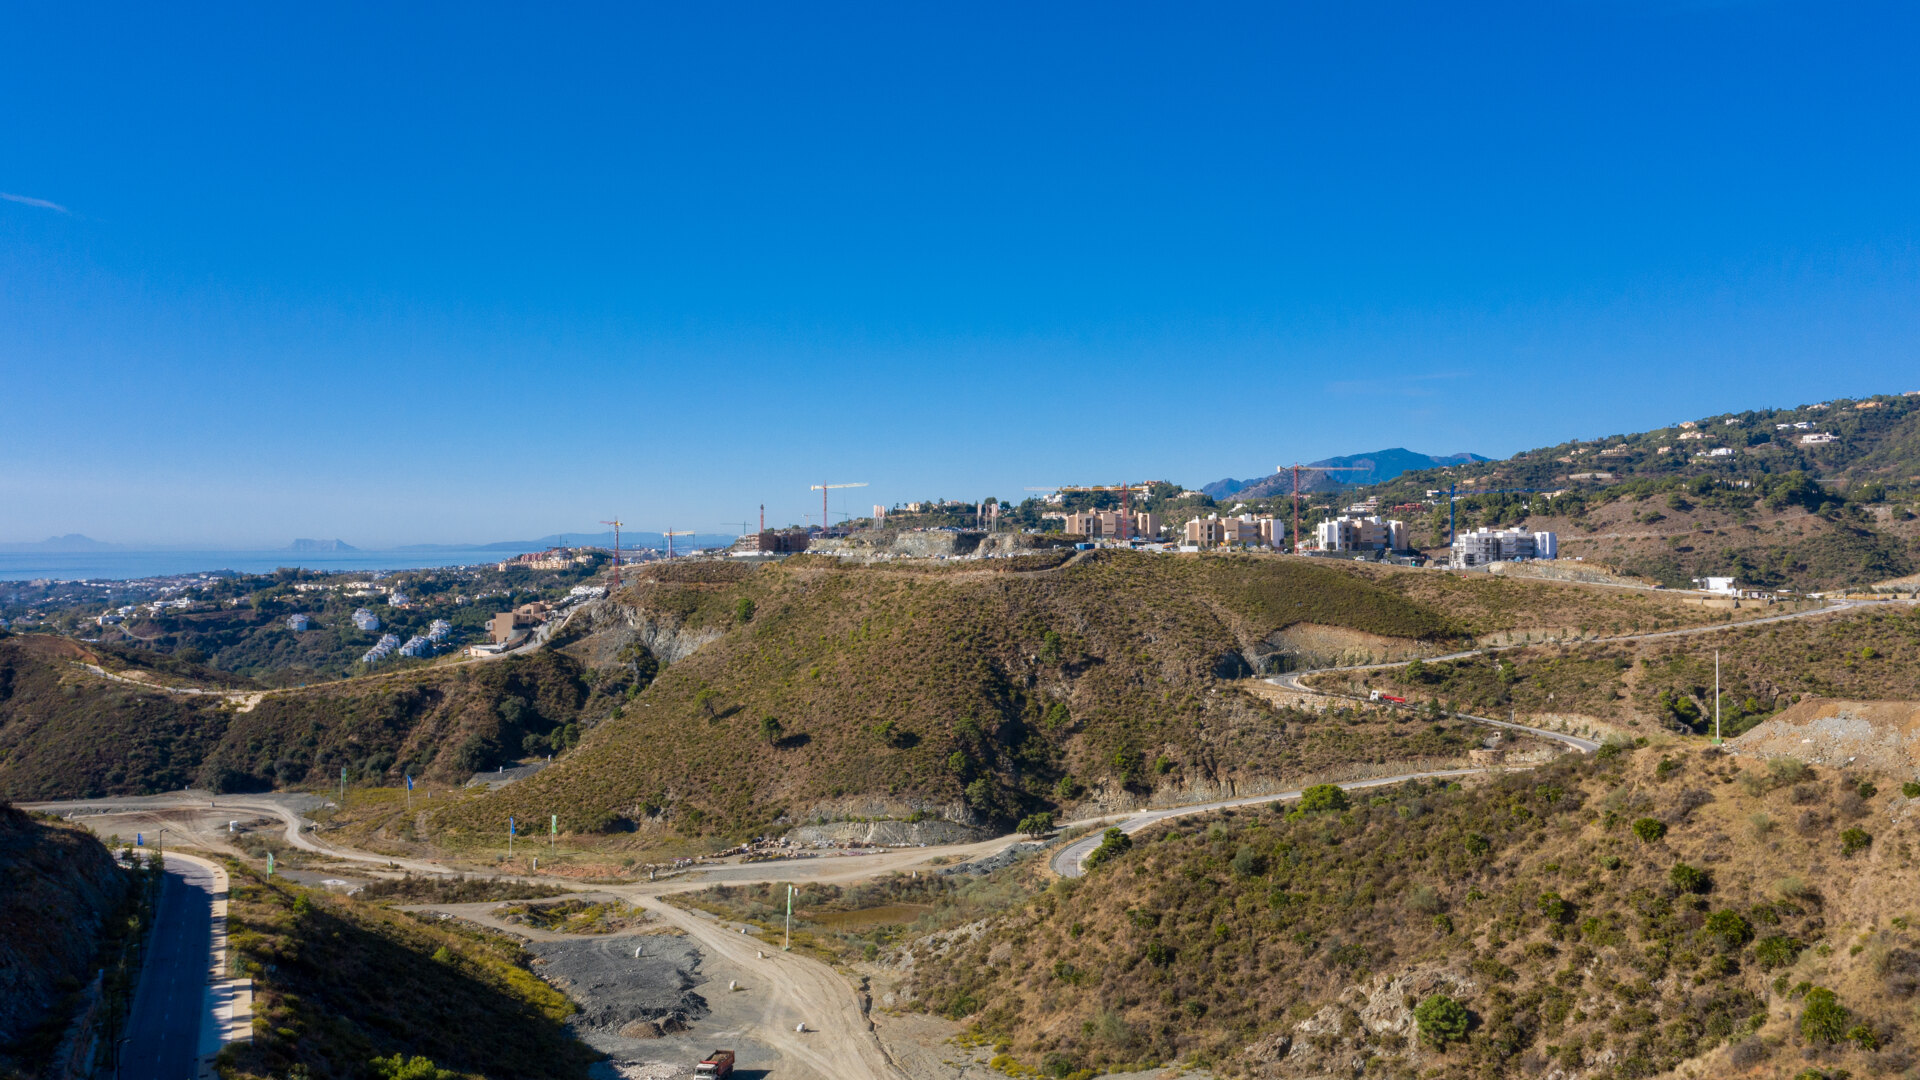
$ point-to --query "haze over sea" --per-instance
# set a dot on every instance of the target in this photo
(122, 565)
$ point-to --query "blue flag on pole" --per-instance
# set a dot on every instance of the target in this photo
(509, 824)
(409, 783)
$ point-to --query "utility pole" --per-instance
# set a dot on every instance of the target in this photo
(616, 552)
(788, 947)
(1716, 697)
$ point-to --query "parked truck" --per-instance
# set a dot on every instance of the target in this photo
(717, 1066)
(1378, 696)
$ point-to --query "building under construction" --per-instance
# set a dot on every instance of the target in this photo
(775, 542)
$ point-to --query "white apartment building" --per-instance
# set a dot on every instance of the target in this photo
(1355, 533)
(366, 620)
(299, 622)
(1215, 531)
(1105, 524)
(1483, 546)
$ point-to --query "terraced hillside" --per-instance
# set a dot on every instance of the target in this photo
(983, 696)
(1613, 917)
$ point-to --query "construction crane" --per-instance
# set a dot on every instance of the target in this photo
(616, 553)
(670, 534)
(1296, 467)
(823, 489)
(1126, 501)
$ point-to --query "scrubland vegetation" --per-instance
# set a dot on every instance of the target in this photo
(1612, 916)
(349, 990)
(1668, 683)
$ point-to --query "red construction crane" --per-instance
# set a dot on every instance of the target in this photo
(616, 553)
(823, 489)
(1126, 501)
(1296, 467)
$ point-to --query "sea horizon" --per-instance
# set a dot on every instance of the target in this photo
(132, 564)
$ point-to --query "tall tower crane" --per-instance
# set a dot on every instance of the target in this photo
(670, 534)
(823, 489)
(1126, 501)
(1296, 467)
(616, 553)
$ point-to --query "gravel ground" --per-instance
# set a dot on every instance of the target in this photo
(625, 1000)
(1880, 737)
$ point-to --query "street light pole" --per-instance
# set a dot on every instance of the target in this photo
(1716, 697)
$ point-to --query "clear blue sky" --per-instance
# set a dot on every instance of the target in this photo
(404, 274)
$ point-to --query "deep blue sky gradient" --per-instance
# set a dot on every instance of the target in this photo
(416, 274)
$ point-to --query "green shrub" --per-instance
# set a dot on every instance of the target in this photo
(1786, 770)
(1555, 908)
(1776, 951)
(1441, 1020)
(1649, 829)
(1113, 844)
(415, 1068)
(1320, 798)
(1248, 862)
(1825, 1020)
(1910, 789)
(1689, 879)
(1477, 844)
(1728, 929)
(1865, 789)
(1862, 1036)
(1037, 824)
(1854, 840)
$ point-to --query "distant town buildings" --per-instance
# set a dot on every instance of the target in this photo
(381, 649)
(366, 620)
(1818, 438)
(298, 623)
(773, 542)
(417, 645)
(439, 630)
(1106, 524)
(1483, 546)
(559, 558)
(397, 598)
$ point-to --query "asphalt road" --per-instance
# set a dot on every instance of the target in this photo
(172, 1003)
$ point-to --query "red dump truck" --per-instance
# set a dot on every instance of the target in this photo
(1378, 696)
(717, 1066)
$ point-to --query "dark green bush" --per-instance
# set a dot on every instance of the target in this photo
(1825, 1020)
(1854, 840)
(1441, 1020)
(1689, 879)
(1649, 829)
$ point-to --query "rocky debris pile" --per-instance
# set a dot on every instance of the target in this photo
(1344, 1034)
(624, 998)
(1005, 857)
(1881, 737)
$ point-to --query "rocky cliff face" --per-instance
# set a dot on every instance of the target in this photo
(58, 886)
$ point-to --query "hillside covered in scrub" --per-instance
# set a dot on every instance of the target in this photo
(346, 989)
(1667, 683)
(65, 910)
(984, 695)
(65, 731)
(1613, 916)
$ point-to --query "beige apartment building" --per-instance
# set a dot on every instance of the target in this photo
(1215, 531)
(1105, 524)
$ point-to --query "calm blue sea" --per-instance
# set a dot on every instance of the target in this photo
(124, 565)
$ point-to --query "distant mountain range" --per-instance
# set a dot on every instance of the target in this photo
(69, 542)
(320, 545)
(1374, 468)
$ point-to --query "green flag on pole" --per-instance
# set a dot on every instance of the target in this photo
(269, 864)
